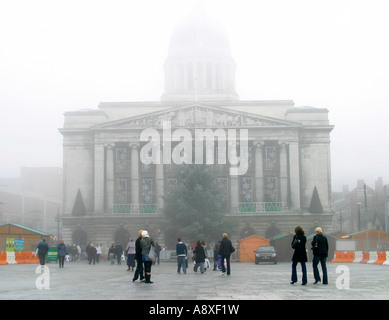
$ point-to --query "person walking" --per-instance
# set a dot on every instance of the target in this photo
(146, 244)
(62, 252)
(130, 251)
(216, 256)
(118, 252)
(111, 254)
(43, 248)
(320, 254)
(138, 257)
(225, 250)
(181, 256)
(299, 255)
(98, 253)
(199, 257)
(158, 250)
(92, 253)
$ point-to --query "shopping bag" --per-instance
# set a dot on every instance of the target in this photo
(152, 253)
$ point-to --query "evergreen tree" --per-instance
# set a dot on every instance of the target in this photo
(194, 208)
(315, 205)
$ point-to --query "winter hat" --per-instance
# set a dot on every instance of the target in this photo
(145, 234)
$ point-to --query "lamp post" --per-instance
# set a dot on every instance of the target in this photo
(359, 216)
(367, 218)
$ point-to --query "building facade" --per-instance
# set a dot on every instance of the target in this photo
(110, 192)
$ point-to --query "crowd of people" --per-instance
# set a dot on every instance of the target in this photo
(143, 252)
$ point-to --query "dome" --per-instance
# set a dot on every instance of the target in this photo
(199, 34)
(199, 65)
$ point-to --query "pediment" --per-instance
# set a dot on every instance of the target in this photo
(197, 116)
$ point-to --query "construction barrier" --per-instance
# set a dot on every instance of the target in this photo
(366, 257)
(3, 258)
(386, 263)
(11, 257)
(31, 257)
(358, 257)
(344, 256)
(381, 257)
(373, 257)
(20, 258)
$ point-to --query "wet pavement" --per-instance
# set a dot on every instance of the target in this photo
(81, 281)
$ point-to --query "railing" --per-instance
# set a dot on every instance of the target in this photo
(260, 207)
(134, 208)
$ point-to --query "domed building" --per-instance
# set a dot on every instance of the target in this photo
(110, 192)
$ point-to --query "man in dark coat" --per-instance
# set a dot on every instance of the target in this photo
(118, 252)
(138, 257)
(225, 250)
(43, 248)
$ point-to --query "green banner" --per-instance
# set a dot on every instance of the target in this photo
(10, 244)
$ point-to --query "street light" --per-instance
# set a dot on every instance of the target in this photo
(359, 216)
(367, 219)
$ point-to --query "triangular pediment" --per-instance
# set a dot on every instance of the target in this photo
(197, 116)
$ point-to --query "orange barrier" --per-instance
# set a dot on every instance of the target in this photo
(344, 256)
(34, 257)
(366, 257)
(20, 258)
(3, 258)
(28, 257)
(381, 257)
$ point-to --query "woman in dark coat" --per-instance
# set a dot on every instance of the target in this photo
(300, 255)
(200, 256)
(225, 250)
(320, 254)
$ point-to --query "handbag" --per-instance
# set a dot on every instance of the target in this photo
(152, 253)
(295, 242)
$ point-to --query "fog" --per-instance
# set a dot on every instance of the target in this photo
(58, 56)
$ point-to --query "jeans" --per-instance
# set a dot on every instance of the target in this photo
(181, 262)
(139, 270)
(61, 261)
(294, 271)
(316, 273)
(201, 267)
(42, 259)
(227, 257)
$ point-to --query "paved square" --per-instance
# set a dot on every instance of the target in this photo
(81, 281)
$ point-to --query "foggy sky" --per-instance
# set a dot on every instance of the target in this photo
(58, 56)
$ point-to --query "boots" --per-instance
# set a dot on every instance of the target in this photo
(148, 276)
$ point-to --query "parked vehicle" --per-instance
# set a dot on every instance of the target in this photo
(266, 254)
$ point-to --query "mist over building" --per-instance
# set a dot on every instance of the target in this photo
(109, 194)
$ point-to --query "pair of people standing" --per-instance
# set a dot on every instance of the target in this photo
(142, 249)
(320, 254)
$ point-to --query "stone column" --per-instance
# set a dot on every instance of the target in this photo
(234, 194)
(134, 173)
(234, 190)
(294, 174)
(110, 179)
(159, 179)
(99, 179)
(283, 173)
(259, 194)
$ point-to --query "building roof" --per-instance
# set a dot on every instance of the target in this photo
(27, 229)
